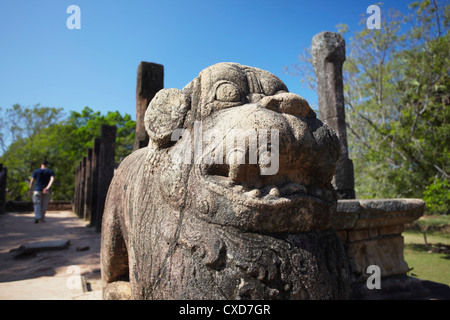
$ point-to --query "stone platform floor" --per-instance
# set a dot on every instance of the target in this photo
(68, 273)
(72, 273)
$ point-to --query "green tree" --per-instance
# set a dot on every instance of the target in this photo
(84, 126)
(62, 143)
(21, 122)
(396, 87)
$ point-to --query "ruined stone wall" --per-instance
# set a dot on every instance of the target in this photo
(371, 231)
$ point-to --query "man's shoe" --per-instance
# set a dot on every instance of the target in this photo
(36, 220)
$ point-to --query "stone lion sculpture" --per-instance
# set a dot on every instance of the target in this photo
(193, 217)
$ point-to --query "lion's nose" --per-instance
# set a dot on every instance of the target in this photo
(287, 102)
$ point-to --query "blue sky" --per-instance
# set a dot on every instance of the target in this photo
(42, 61)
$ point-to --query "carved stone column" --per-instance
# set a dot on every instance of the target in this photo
(88, 186)
(106, 166)
(94, 180)
(328, 53)
(150, 79)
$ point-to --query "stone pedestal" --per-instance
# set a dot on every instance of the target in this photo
(371, 231)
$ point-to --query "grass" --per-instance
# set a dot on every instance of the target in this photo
(429, 260)
(433, 223)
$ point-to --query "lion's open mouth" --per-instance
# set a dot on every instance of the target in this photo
(257, 192)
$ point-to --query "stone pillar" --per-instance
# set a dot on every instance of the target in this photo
(150, 79)
(328, 53)
(81, 184)
(88, 185)
(3, 177)
(371, 232)
(106, 166)
(75, 190)
(94, 181)
(77, 186)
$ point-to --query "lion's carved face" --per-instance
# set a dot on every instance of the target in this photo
(251, 143)
(220, 205)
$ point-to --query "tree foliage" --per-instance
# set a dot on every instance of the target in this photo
(396, 87)
(39, 133)
(20, 122)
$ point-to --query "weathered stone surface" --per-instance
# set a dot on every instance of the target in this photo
(150, 79)
(328, 55)
(94, 181)
(88, 186)
(105, 169)
(367, 213)
(370, 230)
(185, 219)
(118, 290)
(80, 186)
(387, 253)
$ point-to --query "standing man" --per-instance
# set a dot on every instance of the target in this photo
(44, 178)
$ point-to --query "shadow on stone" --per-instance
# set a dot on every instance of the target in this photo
(29, 249)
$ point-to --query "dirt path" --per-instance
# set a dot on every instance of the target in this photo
(49, 274)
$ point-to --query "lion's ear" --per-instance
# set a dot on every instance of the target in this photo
(165, 113)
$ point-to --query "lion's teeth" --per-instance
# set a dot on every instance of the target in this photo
(255, 193)
(274, 192)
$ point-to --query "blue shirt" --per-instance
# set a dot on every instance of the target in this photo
(42, 177)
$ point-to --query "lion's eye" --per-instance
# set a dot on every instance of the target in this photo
(228, 92)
